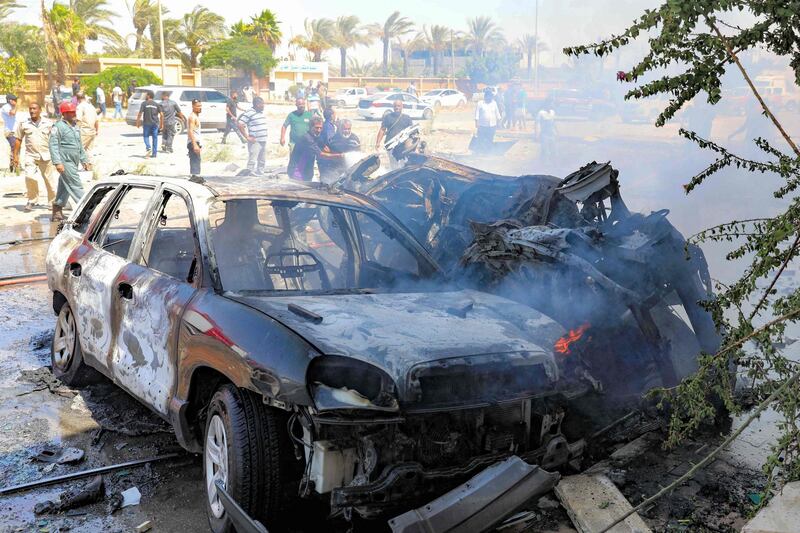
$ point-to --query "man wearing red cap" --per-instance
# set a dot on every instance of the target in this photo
(67, 154)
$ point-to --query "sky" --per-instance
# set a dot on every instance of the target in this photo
(560, 22)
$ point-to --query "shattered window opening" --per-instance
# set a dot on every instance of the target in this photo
(96, 204)
(172, 248)
(119, 229)
(310, 248)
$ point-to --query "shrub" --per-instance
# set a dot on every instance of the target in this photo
(12, 74)
(121, 76)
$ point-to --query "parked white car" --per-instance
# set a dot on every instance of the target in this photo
(347, 97)
(376, 106)
(444, 98)
(214, 103)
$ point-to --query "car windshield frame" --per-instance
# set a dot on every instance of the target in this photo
(430, 273)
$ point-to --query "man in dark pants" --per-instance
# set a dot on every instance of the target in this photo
(306, 152)
(392, 124)
(172, 113)
(151, 119)
(253, 125)
(231, 114)
(195, 145)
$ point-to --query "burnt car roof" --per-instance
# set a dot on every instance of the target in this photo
(275, 185)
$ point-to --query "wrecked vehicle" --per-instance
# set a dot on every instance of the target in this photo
(305, 343)
(627, 286)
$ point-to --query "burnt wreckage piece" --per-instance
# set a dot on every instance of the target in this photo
(627, 285)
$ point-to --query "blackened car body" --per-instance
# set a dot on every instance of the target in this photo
(303, 341)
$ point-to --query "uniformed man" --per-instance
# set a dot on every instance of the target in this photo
(35, 134)
(67, 154)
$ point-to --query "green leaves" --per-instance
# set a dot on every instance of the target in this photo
(12, 74)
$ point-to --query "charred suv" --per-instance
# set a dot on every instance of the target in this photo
(304, 342)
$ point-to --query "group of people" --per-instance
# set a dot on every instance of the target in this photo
(62, 93)
(513, 103)
(52, 149)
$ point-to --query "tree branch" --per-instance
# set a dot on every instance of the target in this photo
(753, 87)
(764, 296)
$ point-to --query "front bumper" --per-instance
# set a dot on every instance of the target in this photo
(371, 112)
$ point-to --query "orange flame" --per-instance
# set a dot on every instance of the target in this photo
(562, 345)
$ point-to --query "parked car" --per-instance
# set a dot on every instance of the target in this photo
(378, 105)
(444, 98)
(214, 103)
(575, 103)
(347, 97)
(304, 342)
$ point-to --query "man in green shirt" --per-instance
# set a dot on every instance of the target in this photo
(67, 154)
(298, 121)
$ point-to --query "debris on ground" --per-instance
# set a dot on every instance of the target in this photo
(126, 498)
(482, 502)
(144, 526)
(593, 502)
(44, 379)
(781, 515)
(60, 456)
(92, 492)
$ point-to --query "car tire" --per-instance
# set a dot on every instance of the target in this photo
(247, 444)
(427, 114)
(341, 103)
(180, 127)
(66, 355)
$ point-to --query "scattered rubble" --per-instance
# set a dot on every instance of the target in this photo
(44, 379)
(593, 502)
(60, 456)
(781, 515)
(91, 492)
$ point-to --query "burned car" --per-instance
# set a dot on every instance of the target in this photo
(304, 342)
(627, 286)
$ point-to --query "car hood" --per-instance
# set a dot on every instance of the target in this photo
(395, 331)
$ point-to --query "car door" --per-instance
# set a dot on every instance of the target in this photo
(98, 264)
(152, 291)
(214, 108)
(412, 106)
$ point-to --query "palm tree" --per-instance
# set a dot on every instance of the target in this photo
(241, 29)
(143, 13)
(435, 39)
(361, 70)
(483, 34)
(394, 27)
(317, 38)
(528, 44)
(6, 7)
(97, 17)
(346, 33)
(171, 46)
(408, 47)
(266, 29)
(197, 31)
(64, 32)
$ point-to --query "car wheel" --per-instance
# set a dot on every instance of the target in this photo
(427, 114)
(437, 105)
(341, 103)
(180, 127)
(66, 355)
(246, 446)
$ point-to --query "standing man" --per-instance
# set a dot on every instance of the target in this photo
(298, 123)
(392, 124)
(76, 87)
(171, 112)
(487, 117)
(35, 133)
(546, 124)
(88, 122)
(253, 127)
(151, 119)
(412, 89)
(55, 93)
(9, 114)
(100, 94)
(306, 151)
(67, 154)
(116, 97)
(329, 129)
(322, 91)
(344, 142)
(231, 113)
(195, 145)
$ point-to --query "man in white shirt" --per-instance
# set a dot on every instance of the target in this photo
(88, 122)
(116, 97)
(487, 117)
(101, 100)
(546, 124)
(8, 112)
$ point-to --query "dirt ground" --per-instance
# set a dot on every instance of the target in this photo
(110, 427)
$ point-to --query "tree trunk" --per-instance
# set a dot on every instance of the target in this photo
(343, 64)
(139, 35)
(435, 63)
(530, 63)
(405, 63)
(385, 56)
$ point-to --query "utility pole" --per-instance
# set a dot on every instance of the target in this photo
(161, 41)
(452, 59)
(536, 46)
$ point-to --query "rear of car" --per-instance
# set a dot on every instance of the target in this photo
(347, 97)
(444, 98)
